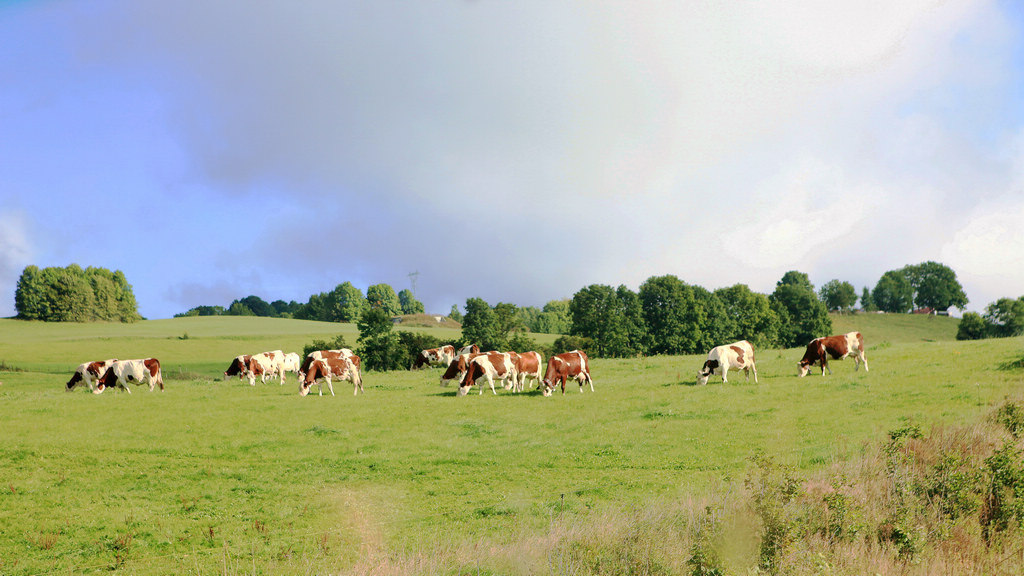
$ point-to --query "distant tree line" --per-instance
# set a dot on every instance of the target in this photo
(345, 303)
(72, 294)
(669, 316)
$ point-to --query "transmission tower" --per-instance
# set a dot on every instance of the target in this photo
(412, 280)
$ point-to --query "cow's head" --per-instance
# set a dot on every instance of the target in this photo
(805, 367)
(316, 369)
(706, 371)
(75, 381)
(109, 378)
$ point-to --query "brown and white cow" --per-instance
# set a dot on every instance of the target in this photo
(836, 347)
(266, 365)
(527, 366)
(457, 369)
(318, 354)
(239, 367)
(332, 367)
(442, 356)
(572, 365)
(489, 366)
(471, 349)
(721, 359)
(121, 372)
(88, 373)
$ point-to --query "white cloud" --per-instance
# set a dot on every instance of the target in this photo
(988, 251)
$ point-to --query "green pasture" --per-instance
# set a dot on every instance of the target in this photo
(215, 476)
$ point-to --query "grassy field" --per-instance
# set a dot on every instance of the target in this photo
(216, 476)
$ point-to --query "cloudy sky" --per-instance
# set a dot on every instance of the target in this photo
(512, 151)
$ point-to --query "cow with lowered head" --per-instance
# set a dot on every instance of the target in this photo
(721, 359)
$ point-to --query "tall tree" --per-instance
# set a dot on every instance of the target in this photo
(612, 319)
(751, 316)
(680, 318)
(480, 325)
(384, 296)
(935, 286)
(409, 303)
(866, 303)
(893, 293)
(1005, 317)
(838, 295)
(378, 346)
(804, 317)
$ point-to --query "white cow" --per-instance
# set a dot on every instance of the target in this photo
(266, 365)
(121, 372)
(291, 363)
(721, 359)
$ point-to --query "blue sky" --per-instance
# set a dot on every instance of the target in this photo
(515, 152)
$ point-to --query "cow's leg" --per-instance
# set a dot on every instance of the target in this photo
(754, 368)
(590, 381)
(865, 361)
(330, 386)
(126, 388)
(725, 374)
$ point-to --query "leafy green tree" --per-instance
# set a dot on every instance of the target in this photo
(345, 303)
(507, 319)
(528, 317)
(893, 293)
(972, 327)
(681, 319)
(384, 296)
(796, 278)
(1005, 317)
(203, 311)
(455, 314)
(555, 317)
(608, 318)
(751, 316)
(314, 309)
(838, 295)
(285, 309)
(803, 316)
(252, 306)
(378, 346)
(866, 302)
(480, 326)
(935, 286)
(72, 294)
(409, 303)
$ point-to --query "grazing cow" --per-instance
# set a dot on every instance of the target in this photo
(318, 354)
(527, 366)
(88, 373)
(489, 365)
(569, 365)
(471, 349)
(326, 368)
(239, 366)
(442, 356)
(121, 372)
(837, 347)
(457, 369)
(721, 359)
(266, 365)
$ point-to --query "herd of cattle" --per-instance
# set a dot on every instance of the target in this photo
(468, 366)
